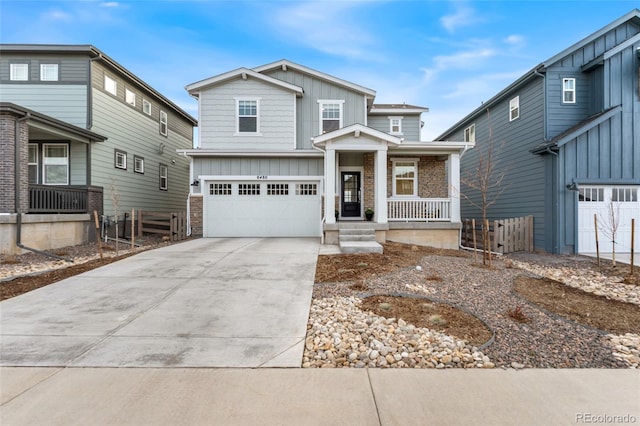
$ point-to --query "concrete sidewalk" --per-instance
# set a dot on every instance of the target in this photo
(132, 396)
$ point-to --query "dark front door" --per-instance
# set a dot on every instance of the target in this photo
(350, 194)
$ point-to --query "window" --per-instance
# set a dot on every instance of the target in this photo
(249, 189)
(55, 164)
(164, 177)
(146, 107)
(470, 133)
(19, 72)
(49, 72)
(624, 195)
(130, 97)
(138, 164)
(405, 177)
(330, 115)
(306, 188)
(163, 123)
(395, 125)
(120, 159)
(247, 116)
(568, 90)
(110, 85)
(277, 189)
(514, 108)
(220, 189)
(595, 195)
(33, 163)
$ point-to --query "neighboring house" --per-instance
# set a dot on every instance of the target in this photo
(277, 140)
(84, 126)
(567, 136)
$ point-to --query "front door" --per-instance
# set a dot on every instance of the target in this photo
(350, 194)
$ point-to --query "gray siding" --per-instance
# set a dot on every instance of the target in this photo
(276, 116)
(72, 68)
(78, 164)
(258, 166)
(308, 109)
(64, 102)
(410, 125)
(132, 132)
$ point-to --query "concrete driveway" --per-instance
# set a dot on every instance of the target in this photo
(241, 302)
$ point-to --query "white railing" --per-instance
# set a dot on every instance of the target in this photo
(419, 209)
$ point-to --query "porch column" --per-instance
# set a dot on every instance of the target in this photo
(329, 185)
(380, 173)
(454, 186)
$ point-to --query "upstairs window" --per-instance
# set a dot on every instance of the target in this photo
(146, 107)
(164, 177)
(247, 118)
(470, 133)
(405, 177)
(130, 97)
(568, 90)
(19, 72)
(163, 123)
(49, 72)
(120, 159)
(514, 108)
(110, 85)
(330, 115)
(395, 125)
(138, 164)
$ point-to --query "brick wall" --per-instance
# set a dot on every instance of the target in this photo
(7, 170)
(369, 198)
(195, 207)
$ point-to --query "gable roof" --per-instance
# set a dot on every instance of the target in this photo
(285, 64)
(357, 130)
(633, 16)
(244, 73)
(97, 54)
(396, 108)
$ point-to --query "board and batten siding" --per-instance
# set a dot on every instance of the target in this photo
(308, 109)
(131, 132)
(64, 102)
(218, 116)
(247, 166)
(410, 125)
(525, 183)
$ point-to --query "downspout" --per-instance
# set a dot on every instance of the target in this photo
(17, 193)
(544, 100)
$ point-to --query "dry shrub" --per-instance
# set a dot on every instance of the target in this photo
(518, 314)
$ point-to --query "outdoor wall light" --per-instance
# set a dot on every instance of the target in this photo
(572, 186)
(196, 182)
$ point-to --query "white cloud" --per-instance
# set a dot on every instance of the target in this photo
(110, 4)
(57, 15)
(514, 40)
(461, 60)
(464, 16)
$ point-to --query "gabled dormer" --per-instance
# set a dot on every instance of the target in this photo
(401, 120)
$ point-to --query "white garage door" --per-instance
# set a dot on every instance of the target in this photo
(262, 209)
(599, 200)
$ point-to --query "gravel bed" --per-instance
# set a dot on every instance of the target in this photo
(545, 341)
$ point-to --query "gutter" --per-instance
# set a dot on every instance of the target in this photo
(17, 194)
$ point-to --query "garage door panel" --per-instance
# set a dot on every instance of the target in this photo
(263, 215)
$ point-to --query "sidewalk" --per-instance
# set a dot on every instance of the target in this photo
(137, 396)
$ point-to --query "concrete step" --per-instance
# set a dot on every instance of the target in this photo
(349, 247)
(357, 231)
(358, 237)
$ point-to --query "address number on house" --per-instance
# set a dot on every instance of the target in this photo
(262, 177)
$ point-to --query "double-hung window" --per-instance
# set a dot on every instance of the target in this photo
(49, 72)
(33, 163)
(19, 72)
(164, 123)
(568, 90)
(395, 125)
(164, 177)
(330, 115)
(470, 133)
(405, 177)
(514, 108)
(247, 119)
(55, 164)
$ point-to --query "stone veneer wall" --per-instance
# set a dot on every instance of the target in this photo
(195, 209)
(432, 177)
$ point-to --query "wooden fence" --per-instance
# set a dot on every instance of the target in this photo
(172, 225)
(505, 235)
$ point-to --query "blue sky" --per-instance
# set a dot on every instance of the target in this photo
(448, 56)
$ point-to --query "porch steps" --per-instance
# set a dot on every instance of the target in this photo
(358, 240)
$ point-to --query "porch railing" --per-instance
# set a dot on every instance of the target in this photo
(421, 209)
(57, 199)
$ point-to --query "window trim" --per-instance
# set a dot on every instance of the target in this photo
(44, 162)
(127, 94)
(13, 68)
(565, 90)
(108, 79)
(470, 133)
(164, 176)
(257, 116)
(44, 66)
(391, 119)
(146, 103)
(514, 106)
(415, 162)
(137, 159)
(164, 124)
(37, 163)
(118, 153)
(321, 104)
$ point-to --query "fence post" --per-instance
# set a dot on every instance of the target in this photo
(139, 223)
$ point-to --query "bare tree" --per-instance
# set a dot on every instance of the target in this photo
(609, 227)
(486, 180)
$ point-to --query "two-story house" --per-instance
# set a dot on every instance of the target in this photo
(566, 135)
(285, 150)
(80, 131)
